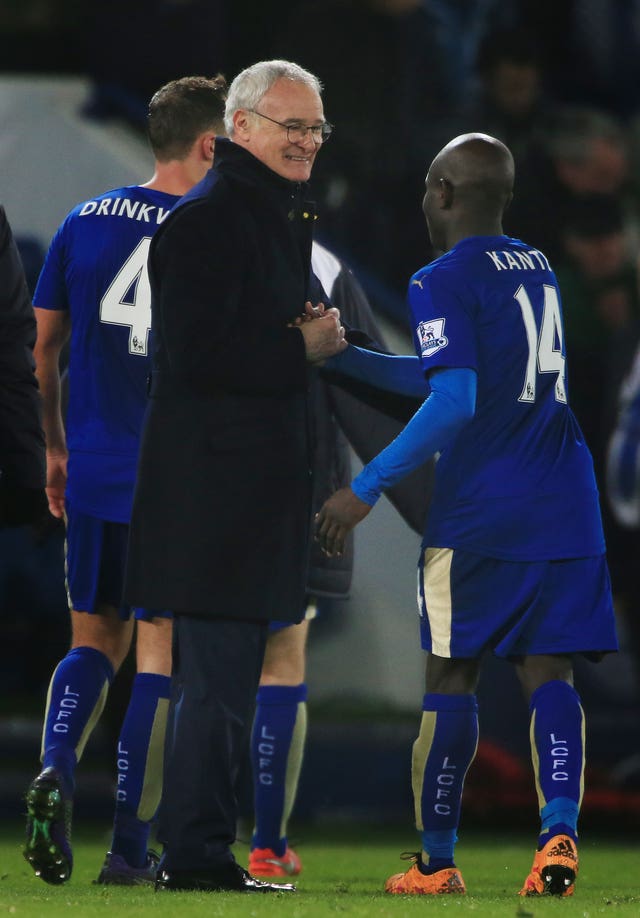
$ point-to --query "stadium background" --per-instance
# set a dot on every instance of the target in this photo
(74, 81)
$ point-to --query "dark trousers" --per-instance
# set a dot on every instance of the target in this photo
(216, 669)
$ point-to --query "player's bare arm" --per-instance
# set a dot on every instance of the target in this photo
(53, 331)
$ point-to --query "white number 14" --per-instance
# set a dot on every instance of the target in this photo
(544, 357)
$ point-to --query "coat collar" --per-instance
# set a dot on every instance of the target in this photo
(232, 159)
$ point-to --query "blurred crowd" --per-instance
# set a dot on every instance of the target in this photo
(558, 83)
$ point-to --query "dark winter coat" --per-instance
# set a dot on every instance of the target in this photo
(221, 514)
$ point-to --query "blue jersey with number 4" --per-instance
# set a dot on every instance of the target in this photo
(517, 482)
(96, 268)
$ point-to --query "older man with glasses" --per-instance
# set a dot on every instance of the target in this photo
(221, 516)
(297, 132)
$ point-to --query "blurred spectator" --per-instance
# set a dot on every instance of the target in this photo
(584, 152)
(511, 104)
(623, 456)
(591, 51)
(588, 150)
(599, 286)
(622, 486)
(601, 303)
(458, 31)
(604, 54)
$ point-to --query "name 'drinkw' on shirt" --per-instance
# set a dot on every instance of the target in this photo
(124, 207)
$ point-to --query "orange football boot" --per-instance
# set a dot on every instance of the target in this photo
(264, 862)
(416, 883)
(554, 869)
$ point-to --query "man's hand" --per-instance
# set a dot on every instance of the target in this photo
(322, 332)
(56, 482)
(337, 517)
(316, 312)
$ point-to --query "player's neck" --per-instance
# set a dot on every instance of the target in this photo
(176, 177)
(473, 228)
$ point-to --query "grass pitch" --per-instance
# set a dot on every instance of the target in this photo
(344, 871)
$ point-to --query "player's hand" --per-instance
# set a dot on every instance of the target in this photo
(56, 482)
(336, 518)
(323, 336)
(317, 312)
(310, 313)
(313, 312)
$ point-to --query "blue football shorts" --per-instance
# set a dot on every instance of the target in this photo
(469, 603)
(311, 612)
(96, 552)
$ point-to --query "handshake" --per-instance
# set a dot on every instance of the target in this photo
(322, 331)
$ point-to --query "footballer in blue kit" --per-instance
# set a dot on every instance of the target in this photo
(95, 273)
(513, 554)
(517, 482)
(94, 292)
(98, 257)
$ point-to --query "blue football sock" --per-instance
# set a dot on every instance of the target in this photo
(77, 694)
(277, 747)
(557, 751)
(139, 766)
(442, 754)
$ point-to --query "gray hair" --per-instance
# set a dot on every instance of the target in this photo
(574, 128)
(252, 83)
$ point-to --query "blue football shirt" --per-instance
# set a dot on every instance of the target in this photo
(96, 268)
(517, 482)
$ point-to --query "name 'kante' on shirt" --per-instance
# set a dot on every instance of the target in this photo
(532, 260)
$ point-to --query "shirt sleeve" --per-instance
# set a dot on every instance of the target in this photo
(442, 307)
(51, 289)
(400, 374)
(448, 408)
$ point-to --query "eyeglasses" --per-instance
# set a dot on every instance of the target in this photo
(297, 132)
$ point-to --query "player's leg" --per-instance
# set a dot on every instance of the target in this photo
(76, 698)
(277, 749)
(140, 757)
(570, 611)
(80, 684)
(442, 753)
(101, 638)
(448, 737)
(557, 750)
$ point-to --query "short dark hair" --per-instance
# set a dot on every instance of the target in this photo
(574, 128)
(512, 45)
(593, 216)
(181, 110)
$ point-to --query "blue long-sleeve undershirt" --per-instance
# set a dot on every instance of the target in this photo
(400, 374)
(448, 408)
